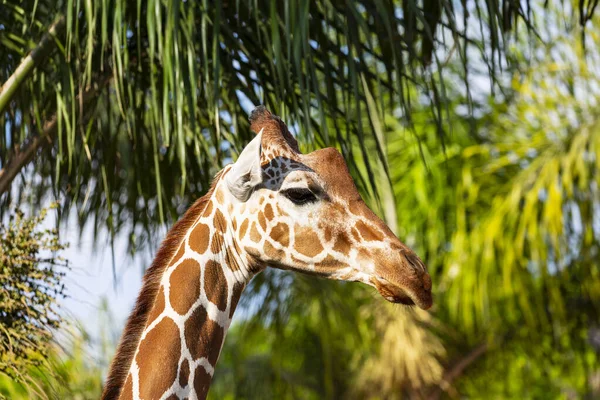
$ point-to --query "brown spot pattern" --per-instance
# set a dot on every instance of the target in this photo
(219, 196)
(329, 262)
(127, 391)
(219, 221)
(217, 242)
(229, 257)
(208, 209)
(185, 285)
(368, 233)
(156, 362)
(201, 382)
(262, 221)
(215, 284)
(342, 244)
(203, 336)
(199, 238)
(307, 242)
(272, 252)
(184, 373)
(254, 234)
(269, 214)
(281, 234)
(243, 228)
(355, 235)
(327, 233)
(159, 305)
(179, 254)
(364, 254)
(355, 207)
(238, 288)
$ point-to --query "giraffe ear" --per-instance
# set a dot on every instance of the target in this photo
(246, 173)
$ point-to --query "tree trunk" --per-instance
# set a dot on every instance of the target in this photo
(33, 59)
(24, 156)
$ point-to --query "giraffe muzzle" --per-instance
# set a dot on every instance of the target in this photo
(409, 284)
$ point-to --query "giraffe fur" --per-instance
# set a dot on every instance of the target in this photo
(274, 207)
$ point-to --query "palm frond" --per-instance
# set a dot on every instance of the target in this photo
(184, 75)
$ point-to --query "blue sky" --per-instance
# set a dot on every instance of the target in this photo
(91, 277)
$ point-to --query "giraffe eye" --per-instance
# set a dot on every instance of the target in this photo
(300, 196)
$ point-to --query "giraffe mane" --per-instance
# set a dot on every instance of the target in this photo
(138, 319)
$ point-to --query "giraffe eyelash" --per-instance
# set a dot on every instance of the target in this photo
(300, 196)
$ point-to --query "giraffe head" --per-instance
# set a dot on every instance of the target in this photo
(302, 212)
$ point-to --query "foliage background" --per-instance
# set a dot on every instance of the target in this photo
(471, 127)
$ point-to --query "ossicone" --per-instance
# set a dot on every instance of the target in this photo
(273, 128)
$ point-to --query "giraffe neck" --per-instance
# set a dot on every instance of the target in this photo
(186, 327)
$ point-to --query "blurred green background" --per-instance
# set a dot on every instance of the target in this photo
(471, 127)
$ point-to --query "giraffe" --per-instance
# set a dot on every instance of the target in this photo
(273, 207)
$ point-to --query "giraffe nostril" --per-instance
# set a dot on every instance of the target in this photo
(415, 262)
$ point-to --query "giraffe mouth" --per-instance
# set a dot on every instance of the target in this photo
(399, 295)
